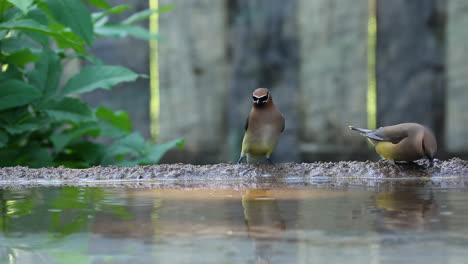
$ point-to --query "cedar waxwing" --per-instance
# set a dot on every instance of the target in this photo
(262, 128)
(265, 225)
(402, 142)
(409, 209)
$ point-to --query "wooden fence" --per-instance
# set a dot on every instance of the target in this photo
(317, 59)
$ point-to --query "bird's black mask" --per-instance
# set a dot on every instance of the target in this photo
(260, 100)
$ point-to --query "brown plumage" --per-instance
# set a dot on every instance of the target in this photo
(262, 128)
(402, 142)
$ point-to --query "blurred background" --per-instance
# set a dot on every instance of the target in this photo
(328, 64)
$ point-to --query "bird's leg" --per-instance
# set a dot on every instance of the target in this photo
(419, 167)
(240, 158)
(269, 160)
(409, 163)
(395, 164)
(431, 162)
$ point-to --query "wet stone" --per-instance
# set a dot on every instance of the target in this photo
(450, 172)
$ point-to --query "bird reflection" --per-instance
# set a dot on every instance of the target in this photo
(411, 209)
(264, 222)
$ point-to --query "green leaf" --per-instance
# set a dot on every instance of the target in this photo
(133, 144)
(69, 109)
(3, 139)
(121, 31)
(89, 152)
(156, 152)
(16, 93)
(94, 77)
(73, 14)
(114, 10)
(11, 73)
(21, 58)
(14, 115)
(145, 14)
(110, 131)
(113, 124)
(29, 125)
(26, 24)
(64, 39)
(9, 157)
(20, 120)
(166, 8)
(138, 16)
(11, 13)
(22, 4)
(10, 45)
(39, 38)
(46, 74)
(62, 139)
(67, 40)
(39, 14)
(99, 3)
(118, 119)
(141, 153)
(38, 157)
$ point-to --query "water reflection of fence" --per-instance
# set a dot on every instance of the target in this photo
(314, 56)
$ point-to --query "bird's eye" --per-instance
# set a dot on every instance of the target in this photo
(264, 98)
(254, 98)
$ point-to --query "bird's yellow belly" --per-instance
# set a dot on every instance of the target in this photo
(258, 149)
(395, 152)
(263, 146)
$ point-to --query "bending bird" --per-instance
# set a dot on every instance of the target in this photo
(402, 142)
(262, 128)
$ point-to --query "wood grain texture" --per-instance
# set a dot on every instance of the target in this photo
(457, 77)
(263, 49)
(333, 75)
(193, 78)
(410, 63)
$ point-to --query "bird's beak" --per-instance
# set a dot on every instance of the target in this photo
(257, 101)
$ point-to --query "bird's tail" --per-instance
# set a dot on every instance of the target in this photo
(362, 130)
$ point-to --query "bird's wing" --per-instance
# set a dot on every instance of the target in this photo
(382, 134)
(390, 135)
(246, 123)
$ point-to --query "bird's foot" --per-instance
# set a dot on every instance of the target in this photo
(431, 163)
(407, 165)
(395, 165)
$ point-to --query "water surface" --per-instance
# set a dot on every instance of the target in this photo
(406, 223)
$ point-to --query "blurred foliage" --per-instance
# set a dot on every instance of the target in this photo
(44, 123)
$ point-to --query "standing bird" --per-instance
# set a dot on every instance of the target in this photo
(262, 128)
(402, 142)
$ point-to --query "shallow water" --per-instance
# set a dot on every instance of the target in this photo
(393, 223)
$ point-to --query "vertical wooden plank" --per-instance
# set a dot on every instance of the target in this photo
(410, 63)
(263, 48)
(457, 77)
(193, 84)
(333, 76)
(132, 53)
